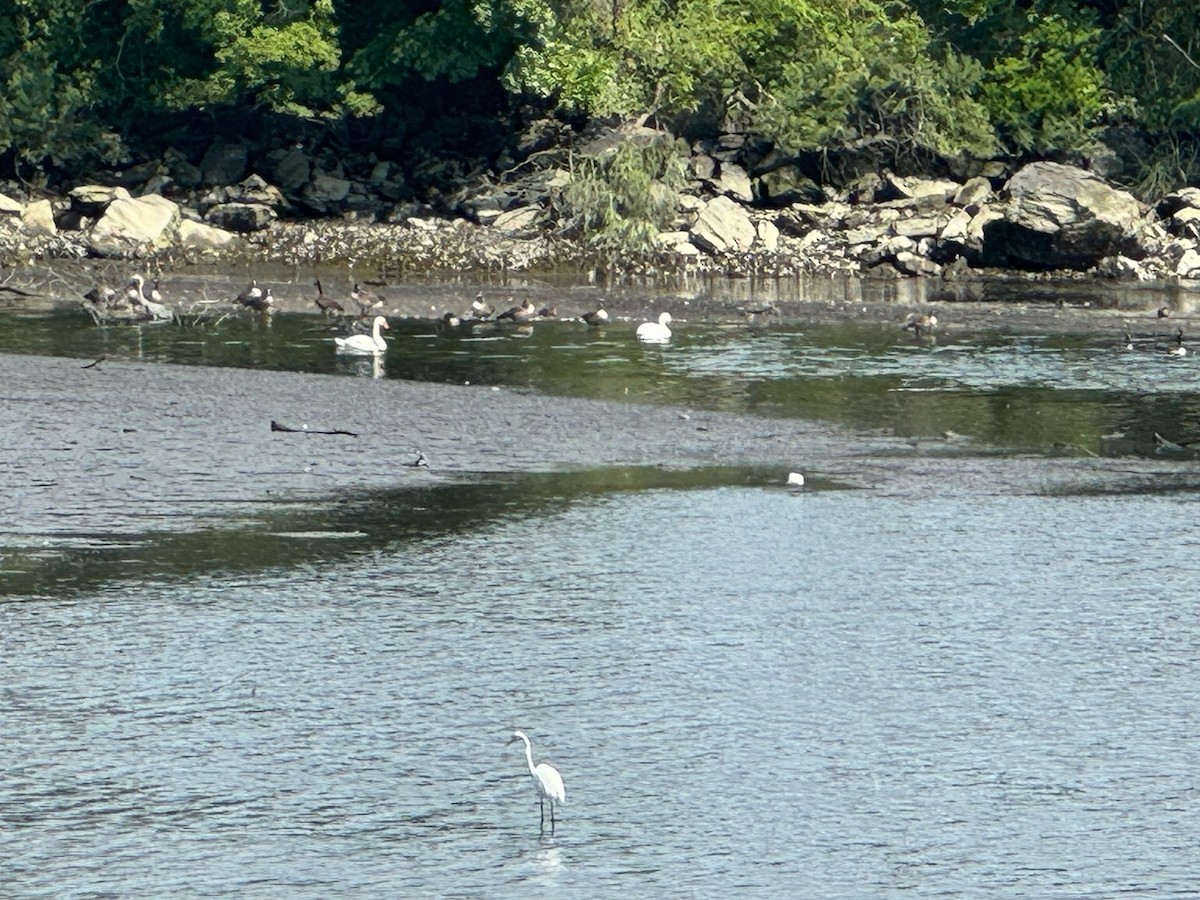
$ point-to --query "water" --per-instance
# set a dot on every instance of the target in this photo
(839, 696)
(266, 677)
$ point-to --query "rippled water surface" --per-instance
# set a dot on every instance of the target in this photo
(966, 688)
(835, 697)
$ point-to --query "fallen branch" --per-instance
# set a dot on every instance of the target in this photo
(275, 426)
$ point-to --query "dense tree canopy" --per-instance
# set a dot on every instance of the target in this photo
(88, 81)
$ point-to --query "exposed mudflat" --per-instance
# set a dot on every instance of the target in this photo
(89, 451)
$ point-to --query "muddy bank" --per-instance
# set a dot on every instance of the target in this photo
(94, 453)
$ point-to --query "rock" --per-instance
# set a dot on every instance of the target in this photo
(702, 167)
(732, 181)
(133, 227)
(11, 207)
(223, 163)
(241, 217)
(198, 236)
(1061, 217)
(255, 189)
(676, 242)
(1172, 203)
(768, 236)
(785, 186)
(293, 171)
(911, 264)
(521, 222)
(38, 218)
(974, 193)
(1121, 268)
(325, 193)
(919, 226)
(1189, 264)
(723, 227)
(92, 200)
(1186, 223)
(895, 187)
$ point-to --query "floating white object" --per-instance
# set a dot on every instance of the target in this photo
(363, 344)
(655, 332)
(795, 479)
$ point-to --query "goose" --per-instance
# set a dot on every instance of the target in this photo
(596, 318)
(547, 312)
(252, 295)
(482, 308)
(364, 344)
(367, 300)
(920, 324)
(521, 313)
(325, 303)
(655, 332)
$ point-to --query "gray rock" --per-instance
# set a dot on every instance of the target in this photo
(293, 171)
(255, 189)
(1189, 264)
(241, 217)
(732, 181)
(198, 236)
(325, 193)
(768, 236)
(785, 186)
(223, 164)
(520, 222)
(912, 264)
(132, 227)
(38, 218)
(974, 193)
(92, 200)
(1174, 202)
(11, 207)
(1061, 217)
(723, 227)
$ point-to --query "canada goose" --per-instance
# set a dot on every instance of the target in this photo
(596, 318)
(920, 324)
(325, 303)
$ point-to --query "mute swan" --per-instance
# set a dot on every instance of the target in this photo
(364, 344)
(655, 332)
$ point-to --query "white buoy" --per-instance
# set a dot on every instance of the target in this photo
(795, 479)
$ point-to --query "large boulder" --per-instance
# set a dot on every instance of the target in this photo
(134, 227)
(198, 236)
(723, 227)
(223, 163)
(38, 218)
(1061, 217)
(241, 217)
(92, 200)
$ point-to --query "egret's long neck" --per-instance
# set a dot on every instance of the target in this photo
(529, 755)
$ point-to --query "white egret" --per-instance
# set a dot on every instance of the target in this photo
(655, 332)
(371, 344)
(546, 781)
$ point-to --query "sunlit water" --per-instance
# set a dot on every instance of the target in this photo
(747, 689)
(834, 697)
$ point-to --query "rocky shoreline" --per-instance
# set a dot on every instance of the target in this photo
(739, 215)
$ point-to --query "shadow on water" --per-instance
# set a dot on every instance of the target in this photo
(349, 526)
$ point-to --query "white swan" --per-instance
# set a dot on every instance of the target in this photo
(655, 332)
(364, 344)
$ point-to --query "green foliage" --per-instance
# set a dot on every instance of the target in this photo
(621, 199)
(1048, 92)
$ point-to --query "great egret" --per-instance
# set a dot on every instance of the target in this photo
(364, 344)
(546, 781)
(655, 332)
